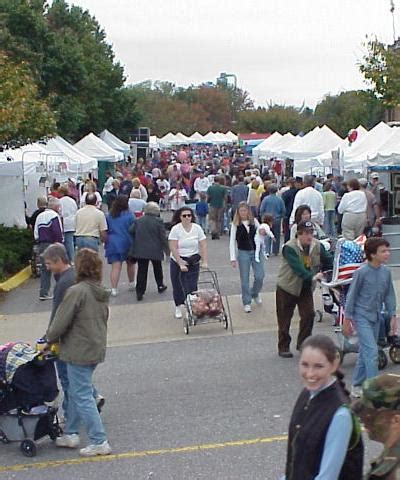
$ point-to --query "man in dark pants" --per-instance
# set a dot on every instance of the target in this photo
(288, 199)
(303, 259)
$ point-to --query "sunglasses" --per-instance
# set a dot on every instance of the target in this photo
(186, 215)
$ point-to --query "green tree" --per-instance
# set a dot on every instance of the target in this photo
(274, 118)
(72, 63)
(381, 69)
(348, 110)
(23, 115)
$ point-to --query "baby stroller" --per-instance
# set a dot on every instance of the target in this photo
(27, 381)
(349, 256)
(205, 305)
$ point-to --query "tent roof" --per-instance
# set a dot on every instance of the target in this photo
(232, 136)
(267, 144)
(170, 139)
(95, 147)
(77, 160)
(114, 142)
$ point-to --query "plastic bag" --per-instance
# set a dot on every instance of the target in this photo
(206, 303)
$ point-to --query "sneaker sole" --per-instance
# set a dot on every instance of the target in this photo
(95, 454)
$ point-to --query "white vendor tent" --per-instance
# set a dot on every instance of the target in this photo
(282, 143)
(78, 163)
(356, 157)
(389, 152)
(170, 139)
(95, 147)
(231, 136)
(114, 142)
(12, 211)
(183, 138)
(264, 148)
(210, 138)
(222, 139)
(196, 137)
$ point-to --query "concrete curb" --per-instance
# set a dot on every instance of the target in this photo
(16, 280)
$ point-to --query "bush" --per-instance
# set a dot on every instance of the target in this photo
(15, 250)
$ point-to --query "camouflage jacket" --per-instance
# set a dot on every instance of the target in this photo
(387, 466)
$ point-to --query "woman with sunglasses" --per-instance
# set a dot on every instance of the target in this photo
(187, 243)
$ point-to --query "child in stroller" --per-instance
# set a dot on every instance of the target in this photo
(26, 384)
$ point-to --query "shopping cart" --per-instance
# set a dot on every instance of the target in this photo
(205, 305)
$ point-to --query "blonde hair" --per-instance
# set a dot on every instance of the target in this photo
(236, 218)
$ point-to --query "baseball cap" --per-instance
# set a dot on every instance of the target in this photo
(380, 393)
(305, 226)
(374, 175)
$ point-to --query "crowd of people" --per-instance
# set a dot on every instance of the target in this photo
(217, 192)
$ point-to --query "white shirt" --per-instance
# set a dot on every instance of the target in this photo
(201, 184)
(188, 242)
(68, 212)
(83, 199)
(312, 198)
(353, 202)
(108, 186)
(177, 198)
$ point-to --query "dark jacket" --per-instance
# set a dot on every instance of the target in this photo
(149, 238)
(307, 431)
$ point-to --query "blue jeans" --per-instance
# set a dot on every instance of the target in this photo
(63, 376)
(69, 245)
(367, 361)
(82, 405)
(246, 260)
(87, 242)
(276, 230)
(203, 222)
(45, 275)
(329, 223)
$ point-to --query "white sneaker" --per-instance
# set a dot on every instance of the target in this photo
(114, 292)
(247, 308)
(132, 286)
(68, 441)
(258, 300)
(356, 392)
(93, 450)
(178, 312)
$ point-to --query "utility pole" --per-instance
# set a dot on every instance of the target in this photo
(392, 8)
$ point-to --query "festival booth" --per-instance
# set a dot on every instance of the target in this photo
(264, 148)
(231, 136)
(114, 142)
(105, 155)
(183, 138)
(170, 140)
(12, 211)
(197, 139)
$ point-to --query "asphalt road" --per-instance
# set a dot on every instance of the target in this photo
(211, 408)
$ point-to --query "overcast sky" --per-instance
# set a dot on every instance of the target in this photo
(284, 51)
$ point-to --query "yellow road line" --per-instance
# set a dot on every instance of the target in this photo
(141, 454)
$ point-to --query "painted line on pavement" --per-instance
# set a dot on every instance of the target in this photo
(141, 454)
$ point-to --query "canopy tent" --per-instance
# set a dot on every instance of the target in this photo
(231, 136)
(389, 152)
(196, 137)
(154, 142)
(183, 138)
(326, 157)
(282, 143)
(356, 157)
(170, 139)
(12, 211)
(222, 139)
(95, 147)
(77, 162)
(210, 138)
(264, 148)
(114, 142)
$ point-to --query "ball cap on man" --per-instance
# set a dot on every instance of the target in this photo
(305, 226)
(379, 393)
(375, 175)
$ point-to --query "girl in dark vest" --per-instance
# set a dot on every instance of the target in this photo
(243, 230)
(324, 438)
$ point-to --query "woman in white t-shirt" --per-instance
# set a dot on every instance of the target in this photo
(187, 243)
(91, 188)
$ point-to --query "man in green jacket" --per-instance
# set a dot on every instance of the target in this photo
(304, 259)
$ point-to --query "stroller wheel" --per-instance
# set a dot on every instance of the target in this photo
(382, 359)
(394, 354)
(28, 448)
(318, 316)
(186, 325)
(225, 322)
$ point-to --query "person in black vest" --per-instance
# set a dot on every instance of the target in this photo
(243, 230)
(324, 436)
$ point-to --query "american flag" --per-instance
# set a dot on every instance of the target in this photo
(349, 256)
